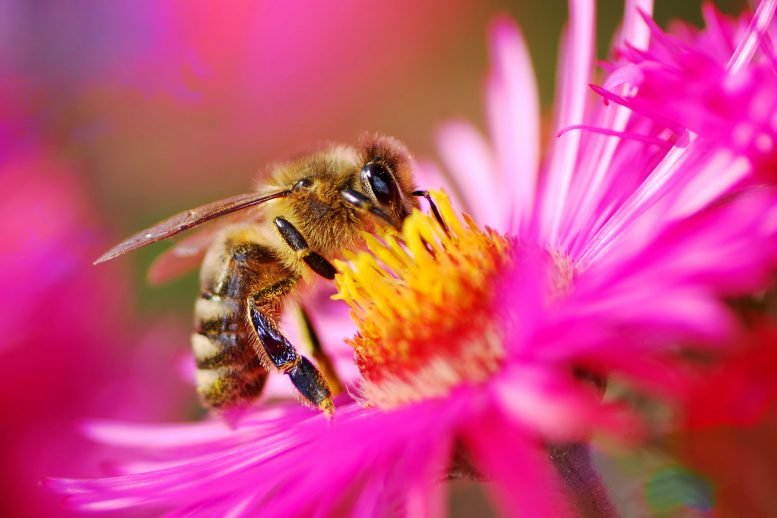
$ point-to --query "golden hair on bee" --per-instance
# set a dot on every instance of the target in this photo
(273, 242)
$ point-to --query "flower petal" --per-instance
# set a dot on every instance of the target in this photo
(266, 464)
(575, 65)
(525, 483)
(467, 156)
(513, 113)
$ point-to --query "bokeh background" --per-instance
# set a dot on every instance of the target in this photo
(116, 114)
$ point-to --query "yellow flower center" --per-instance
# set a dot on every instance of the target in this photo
(423, 304)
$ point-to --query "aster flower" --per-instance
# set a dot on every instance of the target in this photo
(477, 348)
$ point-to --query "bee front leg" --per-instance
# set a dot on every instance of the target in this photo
(297, 242)
(303, 374)
(435, 210)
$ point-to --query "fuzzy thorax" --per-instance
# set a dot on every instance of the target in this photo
(423, 301)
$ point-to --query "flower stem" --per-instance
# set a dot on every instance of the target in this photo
(582, 482)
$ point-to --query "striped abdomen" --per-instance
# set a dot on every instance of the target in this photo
(228, 369)
(237, 266)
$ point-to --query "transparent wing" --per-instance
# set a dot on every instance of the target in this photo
(188, 219)
(182, 257)
(189, 252)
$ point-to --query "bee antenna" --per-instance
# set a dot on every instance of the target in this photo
(435, 211)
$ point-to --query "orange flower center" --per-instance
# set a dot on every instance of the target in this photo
(424, 304)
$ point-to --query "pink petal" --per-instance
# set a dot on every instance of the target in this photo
(525, 483)
(749, 44)
(429, 176)
(721, 173)
(309, 459)
(467, 156)
(547, 402)
(729, 248)
(574, 73)
(513, 109)
(645, 196)
(635, 30)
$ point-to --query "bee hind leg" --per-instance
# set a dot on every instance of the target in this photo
(322, 359)
(303, 374)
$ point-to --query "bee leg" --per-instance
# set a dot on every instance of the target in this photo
(297, 242)
(362, 202)
(303, 374)
(322, 359)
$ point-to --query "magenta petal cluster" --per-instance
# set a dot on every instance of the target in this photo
(713, 87)
(652, 200)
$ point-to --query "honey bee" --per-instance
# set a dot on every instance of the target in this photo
(312, 210)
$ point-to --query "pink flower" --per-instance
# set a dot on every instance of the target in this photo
(478, 349)
(714, 84)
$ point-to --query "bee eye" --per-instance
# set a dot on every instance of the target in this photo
(304, 183)
(381, 182)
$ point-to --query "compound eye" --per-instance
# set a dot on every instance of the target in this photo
(382, 183)
(304, 183)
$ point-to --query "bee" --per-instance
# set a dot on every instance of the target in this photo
(284, 235)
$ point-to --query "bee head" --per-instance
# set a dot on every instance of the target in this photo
(386, 175)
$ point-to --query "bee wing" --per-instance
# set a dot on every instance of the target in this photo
(183, 256)
(188, 219)
(188, 253)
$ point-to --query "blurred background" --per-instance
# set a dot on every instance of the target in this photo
(116, 114)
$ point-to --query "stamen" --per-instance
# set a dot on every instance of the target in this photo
(424, 303)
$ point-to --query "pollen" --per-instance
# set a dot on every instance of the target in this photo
(423, 301)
